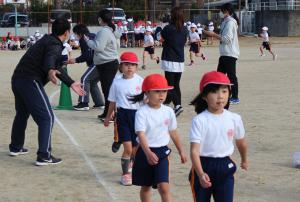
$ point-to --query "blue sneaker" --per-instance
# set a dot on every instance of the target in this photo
(234, 101)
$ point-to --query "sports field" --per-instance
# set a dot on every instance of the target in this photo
(90, 172)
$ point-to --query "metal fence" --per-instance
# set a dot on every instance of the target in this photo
(276, 5)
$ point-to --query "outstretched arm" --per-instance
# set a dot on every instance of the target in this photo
(242, 147)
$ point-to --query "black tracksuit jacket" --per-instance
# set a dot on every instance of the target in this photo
(44, 55)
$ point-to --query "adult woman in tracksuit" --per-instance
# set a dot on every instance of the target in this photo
(90, 77)
(105, 53)
(229, 47)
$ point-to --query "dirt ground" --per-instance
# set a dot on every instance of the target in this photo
(270, 108)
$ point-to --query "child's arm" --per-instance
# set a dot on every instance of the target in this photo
(175, 138)
(195, 157)
(151, 157)
(111, 108)
(242, 147)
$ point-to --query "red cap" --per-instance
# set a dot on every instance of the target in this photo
(214, 77)
(129, 57)
(155, 82)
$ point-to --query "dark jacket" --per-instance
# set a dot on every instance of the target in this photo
(44, 55)
(173, 44)
(87, 53)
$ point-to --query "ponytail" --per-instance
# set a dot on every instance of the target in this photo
(236, 18)
(136, 98)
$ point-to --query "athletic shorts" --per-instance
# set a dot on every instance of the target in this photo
(194, 47)
(220, 172)
(125, 123)
(149, 49)
(144, 174)
(266, 45)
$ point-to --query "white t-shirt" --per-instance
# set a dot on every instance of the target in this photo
(137, 30)
(148, 40)
(194, 37)
(67, 49)
(215, 133)
(211, 28)
(121, 89)
(156, 123)
(199, 30)
(265, 36)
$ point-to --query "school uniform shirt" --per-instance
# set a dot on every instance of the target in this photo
(265, 36)
(121, 89)
(200, 29)
(215, 133)
(148, 40)
(67, 49)
(156, 124)
(194, 37)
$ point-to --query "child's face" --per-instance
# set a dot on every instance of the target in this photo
(193, 29)
(216, 101)
(156, 97)
(128, 69)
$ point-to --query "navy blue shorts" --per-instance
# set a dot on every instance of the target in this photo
(220, 171)
(149, 49)
(266, 45)
(194, 47)
(144, 174)
(125, 123)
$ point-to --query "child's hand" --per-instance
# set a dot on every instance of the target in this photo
(183, 157)
(106, 121)
(244, 165)
(71, 61)
(152, 158)
(205, 180)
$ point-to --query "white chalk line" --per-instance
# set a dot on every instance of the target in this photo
(88, 161)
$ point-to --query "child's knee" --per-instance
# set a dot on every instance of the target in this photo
(164, 188)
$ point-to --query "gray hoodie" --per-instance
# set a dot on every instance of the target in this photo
(229, 44)
(104, 45)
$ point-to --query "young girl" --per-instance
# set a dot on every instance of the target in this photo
(130, 84)
(149, 47)
(195, 44)
(155, 124)
(211, 136)
(266, 43)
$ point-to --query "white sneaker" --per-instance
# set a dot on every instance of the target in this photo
(126, 180)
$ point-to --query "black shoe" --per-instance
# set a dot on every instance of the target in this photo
(47, 161)
(82, 106)
(157, 60)
(17, 153)
(115, 147)
(102, 116)
(98, 107)
(178, 109)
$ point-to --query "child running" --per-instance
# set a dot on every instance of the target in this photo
(266, 43)
(149, 47)
(195, 44)
(130, 84)
(155, 123)
(211, 136)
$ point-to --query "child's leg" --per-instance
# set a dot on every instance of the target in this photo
(164, 191)
(145, 194)
(144, 57)
(153, 57)
(191, 56)
(199, 193)
(126, 156)
(261, 50)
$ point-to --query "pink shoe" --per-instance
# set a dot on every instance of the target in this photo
(126, 180)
